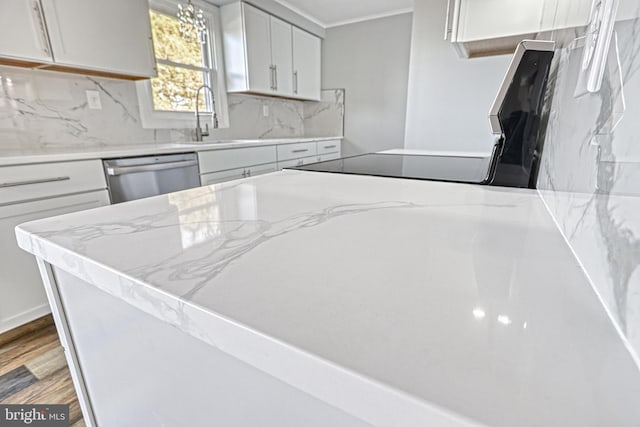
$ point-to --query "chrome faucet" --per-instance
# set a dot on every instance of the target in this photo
(199, 132)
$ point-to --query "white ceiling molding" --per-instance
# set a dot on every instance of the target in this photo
(370, 17)
(301, 13)
(333, 13)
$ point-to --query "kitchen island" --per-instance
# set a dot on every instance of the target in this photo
(310, 299)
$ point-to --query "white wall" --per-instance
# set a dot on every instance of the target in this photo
(449, 97)
(370, 60)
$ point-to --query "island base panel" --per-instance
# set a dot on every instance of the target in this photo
(139, 370)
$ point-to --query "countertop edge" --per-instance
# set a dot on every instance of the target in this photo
(130, 150)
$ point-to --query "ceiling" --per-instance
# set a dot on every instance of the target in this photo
(331, 13)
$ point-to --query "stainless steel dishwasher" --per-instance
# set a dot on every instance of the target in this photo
(139, 177)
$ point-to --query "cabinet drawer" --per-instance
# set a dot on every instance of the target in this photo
(296, 151)
(27, 182)
(216, 177)
(297, 162)
(327, 157)
(325, 147)
(262, 169)
(219, 160)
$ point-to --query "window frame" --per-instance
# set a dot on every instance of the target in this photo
(156, 119)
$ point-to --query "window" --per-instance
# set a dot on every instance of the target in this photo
(183, 65)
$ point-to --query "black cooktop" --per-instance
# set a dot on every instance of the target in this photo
(429, 167)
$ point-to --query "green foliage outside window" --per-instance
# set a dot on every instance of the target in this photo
(175, 87)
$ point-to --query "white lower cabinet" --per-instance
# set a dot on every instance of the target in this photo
(231, 174)
(236, 163)
(235, 158)
(22, 296)
(229, 164)
(299, 154)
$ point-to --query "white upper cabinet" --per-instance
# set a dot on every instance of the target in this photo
(259, 75)
(263, 53)
(106, 36)
(488, 18)
(23, 35)
(306, 65)
(480, 28)
(87, 36)
(282, 56)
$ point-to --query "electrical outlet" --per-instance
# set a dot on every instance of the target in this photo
(93, 100)
(265, 111)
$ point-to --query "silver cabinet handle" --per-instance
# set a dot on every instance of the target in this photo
(275, 78)
(34, 181)
(330, 146)
(46, 48)
(300, 151)
(295, 82)
(273, 85)
(248, 172)
(123, 170)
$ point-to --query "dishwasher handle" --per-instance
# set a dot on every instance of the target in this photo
(152, 167)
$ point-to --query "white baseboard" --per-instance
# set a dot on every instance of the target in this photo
(24, 317)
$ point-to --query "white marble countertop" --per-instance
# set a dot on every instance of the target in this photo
(401, 302)
(15, 156)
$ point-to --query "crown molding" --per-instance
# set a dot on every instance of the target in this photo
(370, 17)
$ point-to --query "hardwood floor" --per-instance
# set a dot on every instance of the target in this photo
(33, 369)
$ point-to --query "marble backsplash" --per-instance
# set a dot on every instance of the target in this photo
(590, 174)
(44, 109)
(325, 118)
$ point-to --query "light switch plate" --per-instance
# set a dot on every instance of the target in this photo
(93, 100)
(265, 110)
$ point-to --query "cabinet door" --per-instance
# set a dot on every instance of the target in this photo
(485, 20)
(217, 177)
(306, 65)
(480, 20)
(282, 56)
(566, 14)
(261, 169)
(22, 296)
(111, 36)
(258, 47)
(23, 35)
(235, 158)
